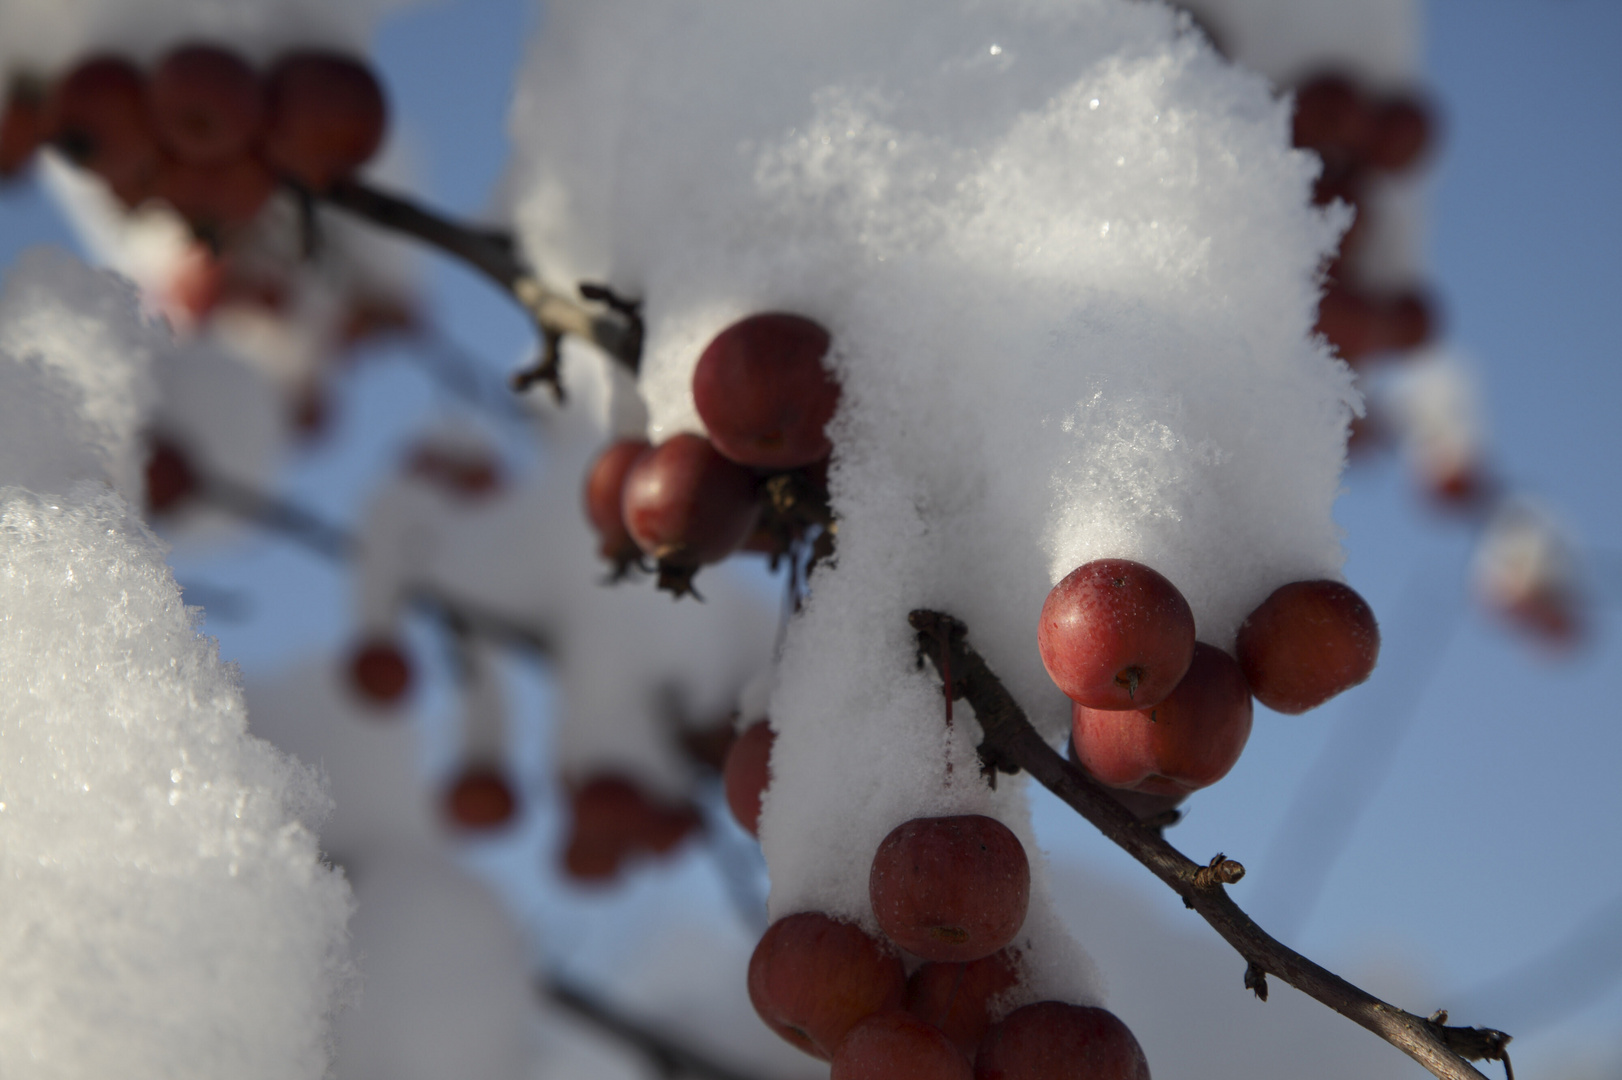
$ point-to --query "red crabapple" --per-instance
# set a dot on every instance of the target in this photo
(1350, 321)
(379, 671)
(898, 1046)
(590, 861)
(950, 888)
(466, 473)
(1400, 131)
(686, 505)
(22, 126)
(1187, 742)
(170, 479)
(612, 819)
(813, 978)
(325, 116)
(605, 487)
(667, 825)
(217, 197)
(1306, 643)
(1115, 634)
(1332, 118)
(1054, 1041)
(481, 798)
(368, 316)
(747, 772)
(1406, 320)
(959, 998)
(605, 817)
(206, 104)
(1140, 805)
(97, 115)
(762, 390)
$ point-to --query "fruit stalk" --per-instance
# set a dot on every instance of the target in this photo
(1012, 744)
(616, 332)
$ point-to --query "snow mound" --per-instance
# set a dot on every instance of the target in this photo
(167, 912)
(1070, 269)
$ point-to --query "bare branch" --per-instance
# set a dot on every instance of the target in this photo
(310, 530)
(1011, 744)
(617, 330)
(669, 1056)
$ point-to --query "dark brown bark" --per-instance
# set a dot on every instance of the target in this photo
(1011, 744)
(612, 323)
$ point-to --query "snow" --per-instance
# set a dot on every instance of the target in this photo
(76, 334)
(1069, 266)
(168, 913)
(631, 666)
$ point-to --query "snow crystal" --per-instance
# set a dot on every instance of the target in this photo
(167, 913)
(1070, 269)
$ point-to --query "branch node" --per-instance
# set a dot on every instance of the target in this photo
(1256, 980)
(628, 309)
(1221, 870)
(548, 367)
(1472, 1043)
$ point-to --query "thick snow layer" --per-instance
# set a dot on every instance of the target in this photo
(1069, 266)
(166, 910)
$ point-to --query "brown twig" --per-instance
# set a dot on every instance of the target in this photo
(312, 532)
(616, 330)
(1011, 744)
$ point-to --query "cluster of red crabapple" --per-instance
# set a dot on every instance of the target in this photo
(209, 137)
(1361, 137)
(765, 398)
(1155, 715)
(203, 131)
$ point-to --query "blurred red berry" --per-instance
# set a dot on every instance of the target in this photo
(97, 116)
(325, 117)
(747, 773)
(206, 104)
(480, 799)
(22, 126)
(380, 671)
(170, 479)
(604, 496)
